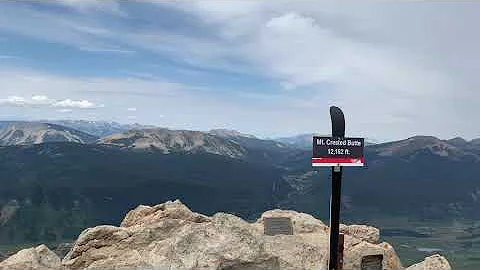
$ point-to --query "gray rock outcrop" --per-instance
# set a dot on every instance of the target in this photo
(434, 262)
(363, 232)
(39, 258)
(169, 235)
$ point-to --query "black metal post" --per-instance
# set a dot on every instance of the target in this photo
(338, 130)
(335, 217)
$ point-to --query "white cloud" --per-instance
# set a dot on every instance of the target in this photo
(35, 100)
(40, 98)
(13, 100)
(44, 101)
(80, 104)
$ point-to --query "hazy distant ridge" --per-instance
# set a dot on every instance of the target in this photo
(26, 133)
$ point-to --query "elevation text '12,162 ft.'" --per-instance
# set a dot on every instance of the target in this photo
(332, 151)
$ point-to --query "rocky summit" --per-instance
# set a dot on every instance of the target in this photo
(171, 236)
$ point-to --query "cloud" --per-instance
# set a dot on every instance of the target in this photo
(79, 104)
(106, 50)
(13, 100)
(397, 69)
(132, 109)
(78, 30)
(44, 101)
(34, 101)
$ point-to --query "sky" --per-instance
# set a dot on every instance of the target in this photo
(268, 68)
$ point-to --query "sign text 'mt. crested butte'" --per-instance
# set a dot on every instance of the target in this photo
(332, 151)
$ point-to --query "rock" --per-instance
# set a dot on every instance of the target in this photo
(227, 242)
(39, 258)
(366, 233)
(354, 254)
(435, 262)
(296, 252)
(62, 249)
(146, 215)
(171, 236)
(135, 243)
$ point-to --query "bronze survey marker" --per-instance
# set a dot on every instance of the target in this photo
(277, 225)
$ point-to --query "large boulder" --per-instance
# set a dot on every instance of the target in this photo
(434, 262)
(354, 254)
(39, 258)
(366, 233)
(171, 236)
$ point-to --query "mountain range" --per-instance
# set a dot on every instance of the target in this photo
(98, 128)
(25, 133)
(56, 180)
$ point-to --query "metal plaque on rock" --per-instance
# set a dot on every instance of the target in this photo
(277, 225)
(372, 262)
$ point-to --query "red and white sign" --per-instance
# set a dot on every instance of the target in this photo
(332, 151)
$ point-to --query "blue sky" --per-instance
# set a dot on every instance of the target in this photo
(270, 68)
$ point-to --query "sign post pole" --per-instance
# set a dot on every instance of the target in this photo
(338, 130)
(335, 152)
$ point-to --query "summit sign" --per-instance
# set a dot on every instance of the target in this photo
(335, 151)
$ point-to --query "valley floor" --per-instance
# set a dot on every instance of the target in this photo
(458, 241)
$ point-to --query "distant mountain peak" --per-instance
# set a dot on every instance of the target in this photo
(170, 141)
(229, 133)
(423, 138)
(25, 133)
(417, 144)
(458, 141)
